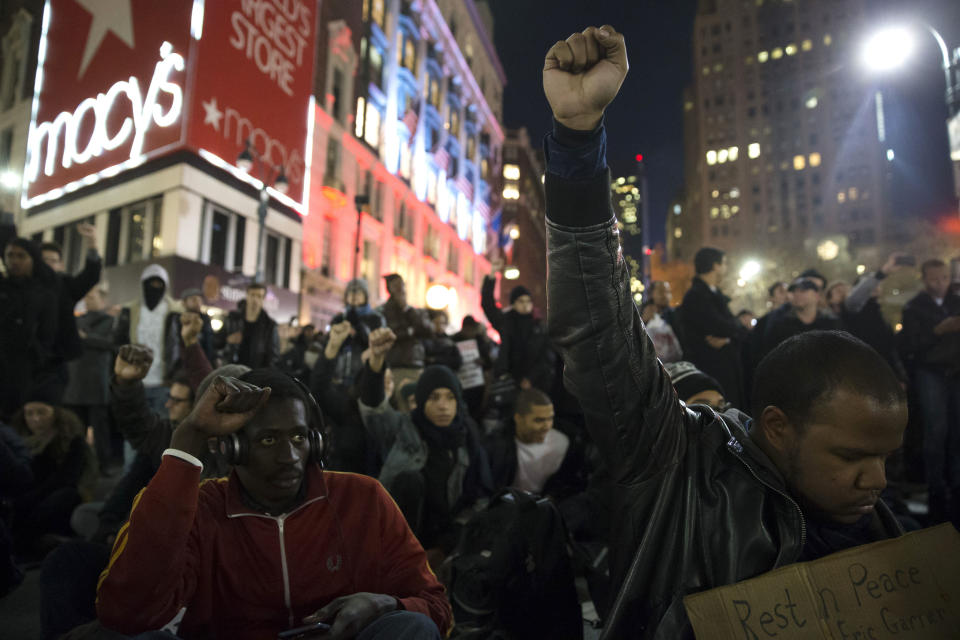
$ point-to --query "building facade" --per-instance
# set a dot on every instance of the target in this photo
(523, 225)
(406, 151)
(789, 149)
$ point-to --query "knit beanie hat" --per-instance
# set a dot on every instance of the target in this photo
(689, 381)
(407, 390)
(437, 376)
(357, 284)
(518, 291)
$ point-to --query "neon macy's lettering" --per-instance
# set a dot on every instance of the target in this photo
(145, 113)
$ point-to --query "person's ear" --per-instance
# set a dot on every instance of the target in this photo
(777, 429)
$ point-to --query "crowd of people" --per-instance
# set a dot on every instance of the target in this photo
(385, 477)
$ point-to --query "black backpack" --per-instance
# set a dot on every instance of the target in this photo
(511, 576)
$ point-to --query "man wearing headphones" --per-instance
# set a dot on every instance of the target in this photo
(279, 545)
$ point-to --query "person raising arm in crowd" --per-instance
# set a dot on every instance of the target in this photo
(703, 499)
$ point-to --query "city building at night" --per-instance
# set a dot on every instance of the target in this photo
(407, 132)
(789, 150)
(523, 226)
(135, 123)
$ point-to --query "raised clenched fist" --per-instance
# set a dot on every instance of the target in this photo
(582, 75)
(132, 363)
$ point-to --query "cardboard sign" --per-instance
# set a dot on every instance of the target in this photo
(471, 371)
(903, 588)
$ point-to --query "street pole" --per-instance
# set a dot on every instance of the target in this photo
(358, 201)
(262, 231)
(951, 71)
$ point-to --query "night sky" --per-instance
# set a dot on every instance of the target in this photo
(647, 115)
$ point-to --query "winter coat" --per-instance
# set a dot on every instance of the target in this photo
(262, 346)
(89, 383)
(70, 291)
(525, 350)
(28, 333)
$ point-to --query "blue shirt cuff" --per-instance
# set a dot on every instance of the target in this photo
(576, 155)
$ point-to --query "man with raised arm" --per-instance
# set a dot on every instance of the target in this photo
(701, 499)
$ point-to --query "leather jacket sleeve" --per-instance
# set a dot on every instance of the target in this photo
(632, 411)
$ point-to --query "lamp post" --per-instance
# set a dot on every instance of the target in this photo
(889, 48)
(359, 201)
(249, 159)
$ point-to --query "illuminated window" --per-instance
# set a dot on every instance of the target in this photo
(814, 159)
(714, 212)
(799, 163)
(711, 157)
(754, 150)
(735, 193)
(511, 172)
(377, 11)
(511, 193)
(852, 193)
(763, 56)
(777, 53)
(841, 197)
(715, 193)
(722, 156)
(791, 49)
(734, 152)
(807, 45)
(358, 124)
(678, 233)
(372, 126)
(706, 70)
(735, 209)
(725, 211)
(828, 40)
(812, 102)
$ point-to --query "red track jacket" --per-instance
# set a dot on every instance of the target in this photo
(242, 574)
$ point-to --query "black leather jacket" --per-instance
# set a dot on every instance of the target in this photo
(696, 504)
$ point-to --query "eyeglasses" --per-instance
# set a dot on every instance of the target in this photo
(174, 399)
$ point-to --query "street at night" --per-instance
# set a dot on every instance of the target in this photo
(479, 319)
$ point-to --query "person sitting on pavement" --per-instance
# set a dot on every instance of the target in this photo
(535, 457)
(434, 464)
(279, 544)
(702, 499)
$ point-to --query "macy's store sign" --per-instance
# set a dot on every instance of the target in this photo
(105, 101)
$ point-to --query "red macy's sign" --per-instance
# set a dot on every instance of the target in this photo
(122, 81)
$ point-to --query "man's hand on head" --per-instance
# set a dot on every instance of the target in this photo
(226, 406)
(349, 615)
(582, 75)
(132, 363)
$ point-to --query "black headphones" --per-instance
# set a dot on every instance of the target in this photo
(235, 447)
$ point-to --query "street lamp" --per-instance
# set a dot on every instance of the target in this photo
(249, 159)
(891, 47)
(360, 201)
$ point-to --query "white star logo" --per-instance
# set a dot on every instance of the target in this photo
(213, 114)
(108, 15)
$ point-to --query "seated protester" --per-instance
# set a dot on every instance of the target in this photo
(533, 456)
(434, 465)
(802, 314)
(695, 387)
(64, 474)
(279, 544)
(16, 475)
(701, 501)
(664, 339)
(440, 348)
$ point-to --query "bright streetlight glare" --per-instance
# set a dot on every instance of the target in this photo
(438, 296)
(9, 180)
(511, 273)
(750, 270)
(888, 49)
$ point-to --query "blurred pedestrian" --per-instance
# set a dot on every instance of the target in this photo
(410, 325)
(249, 335)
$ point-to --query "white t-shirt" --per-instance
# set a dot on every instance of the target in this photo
(538, 461)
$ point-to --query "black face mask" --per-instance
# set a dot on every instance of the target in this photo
(152, 295)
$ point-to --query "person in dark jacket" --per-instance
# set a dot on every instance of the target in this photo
(28, 326)
(70, 291)
(532, 456)
(802, 314)
(192, 301)
(410, 325)
(343, 352)
(16, 476)
(701, 501)
(64, 472)
(712, 336)
(88, 389)
(304, 347)
(930, 343)
(477, 362)
(440, 347)
(249, 334)
(861, 314)
(525, 351)
(434, 464)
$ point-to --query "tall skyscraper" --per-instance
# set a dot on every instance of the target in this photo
(789, 152)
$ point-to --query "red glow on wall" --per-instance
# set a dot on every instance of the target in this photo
(336, 197)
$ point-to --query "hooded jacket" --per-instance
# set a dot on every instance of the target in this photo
(129, 321)
(195, 555)
(697, 504)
